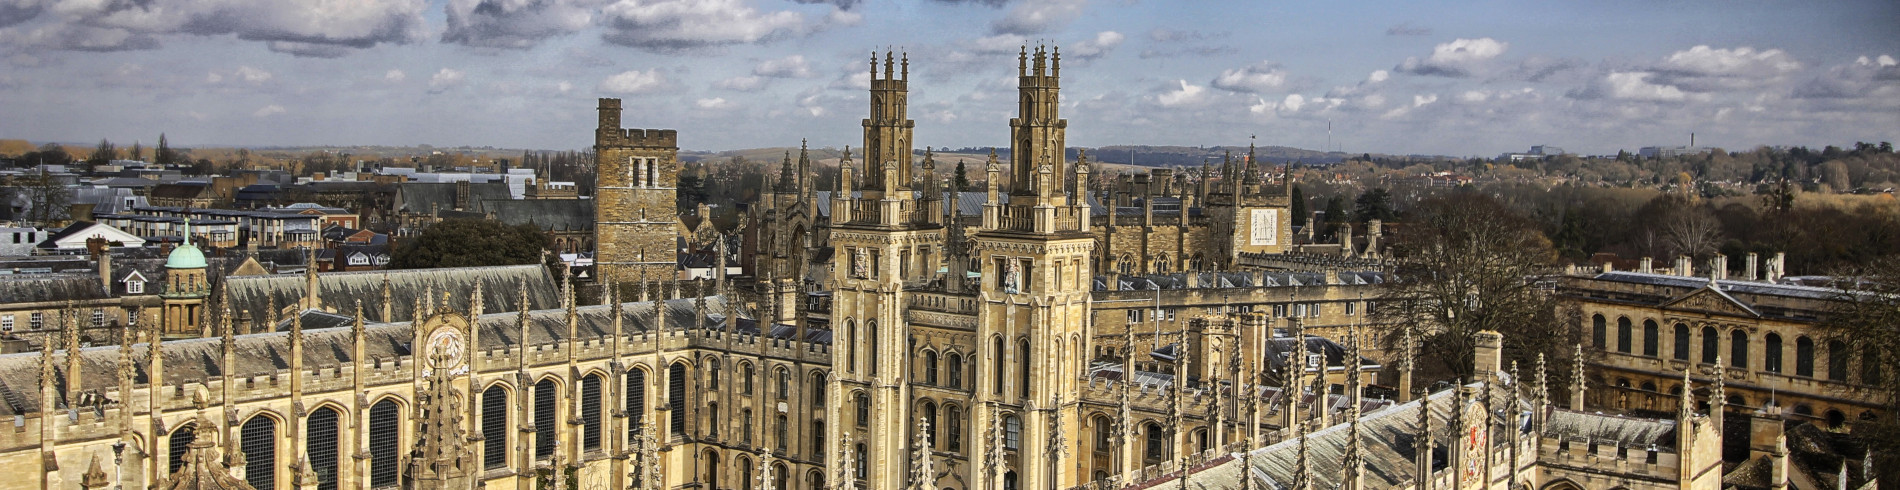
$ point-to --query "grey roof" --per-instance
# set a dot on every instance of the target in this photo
(422, 197)
(1728, 286)
(1386, 439)
(501, 289)
(1234, 280)
(1611, 429)
(34, 288)
(549, 214)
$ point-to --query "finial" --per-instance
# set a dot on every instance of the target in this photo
(906, 72)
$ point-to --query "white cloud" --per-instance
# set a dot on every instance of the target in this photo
(1636, 86)
(634, 82)
(1038, 16)
(1293, 102)
(269, 110)
(793, 66)
(1703, 60)
(1104, 42)
(1263, 77)
(564, 86)
(1422, 100)
(714, 103)
(1378, 76)
(395, 76)
(253, 75)
(445, 79)
(213, 77)
(742, 84)
(677, 25)
(1455, 59)
(1186, 95)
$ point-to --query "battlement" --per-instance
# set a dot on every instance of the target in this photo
(641, 138)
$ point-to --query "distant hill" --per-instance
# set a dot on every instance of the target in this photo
(1109, 157)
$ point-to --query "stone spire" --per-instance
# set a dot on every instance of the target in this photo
(1577, 381)
(786, 182)
(95, 476)
(1541, 400)
(1408, 362)
(1685, 409)
(922, 471)
(1422, 444)
(1355, 457)
(847, 467)
(1301, 479)
(1718, 394)
(202, 468)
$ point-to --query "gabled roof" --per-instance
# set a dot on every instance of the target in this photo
(1711, 299)
(88, 229)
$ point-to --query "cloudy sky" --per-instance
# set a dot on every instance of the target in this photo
(1444, 77)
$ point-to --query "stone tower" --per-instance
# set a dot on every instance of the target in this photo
(1034, 248)
(185, 289)
(883, 240)
(635, 217)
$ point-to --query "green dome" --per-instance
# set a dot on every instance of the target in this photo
(185, 257)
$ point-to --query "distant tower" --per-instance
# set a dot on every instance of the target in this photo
(636, 221)
(185, 289)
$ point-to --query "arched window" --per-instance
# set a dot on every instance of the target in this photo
(545, 398)
(818, 440)
(1836, 360)
(385, 430)
(636, 401)
(850, 346)
(745, 426)
(778, 432)
(711, 479)
(871, 327)
(1009, 481)
(1104, 434)
(1771, 352)
(1682, 342)
(1599, 333)
(952, 428)
(713, 419)
(817, 389)
(953, 370)
(260, 452)
(784, 388)
(863, 459)
(1022, 361)
(817, 479)
(927, 413)
(590, 412)
(1157, 445)
(1711, 345)
(864, 410)
(320, 444)
(781, 477)
(1012, 432)
(181, 440)
(676, 384)
(1870, 372)
(930, 367)
(1651, 337)
(1804, 356)
(996, 364)
(745, 473)
(494, 428)
(745, 373)
(1738, 348)
(1623, 335)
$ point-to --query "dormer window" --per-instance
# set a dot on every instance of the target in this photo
(359, 259)
(135, 287)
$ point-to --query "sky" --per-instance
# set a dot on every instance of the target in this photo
(1476, 77)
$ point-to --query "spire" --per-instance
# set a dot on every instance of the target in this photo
(785, 182)
(905, 74)
(847, 471)
(922, 470)
(1355, 459)
(1686, 407)
(1577, 381)
(1422, 444)
(1718, 395)
(1541, 399)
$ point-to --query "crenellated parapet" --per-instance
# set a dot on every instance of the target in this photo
(638, 138)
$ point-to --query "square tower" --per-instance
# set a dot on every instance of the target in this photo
(636, 221)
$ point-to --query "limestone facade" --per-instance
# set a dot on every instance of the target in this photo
(636, 220)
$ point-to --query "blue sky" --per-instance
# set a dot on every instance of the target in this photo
(1439, 77)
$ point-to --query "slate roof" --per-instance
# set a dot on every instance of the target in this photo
(1603, 428)
(421, 197)
(549, 214)
(1234, 280)
(1728, 286)
(34, 288)
(501, 289)
(1386, 439)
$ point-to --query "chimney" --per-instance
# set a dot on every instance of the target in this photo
(1648, 266)
(1487, 358)
(1684, 267)
(1718, 269)
(1764, 430)
(1752, 271)
(105, 270)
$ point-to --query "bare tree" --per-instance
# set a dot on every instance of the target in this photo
(42, 199)
(1469, 264)
(1692, 231)
(1866, 315)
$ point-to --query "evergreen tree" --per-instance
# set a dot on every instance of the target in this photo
(1335, 213)
(1300, 213)
(963, 180)
(1374, 204)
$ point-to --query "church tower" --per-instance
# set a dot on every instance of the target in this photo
(1034, 249)
(634, 212)
(883, 237)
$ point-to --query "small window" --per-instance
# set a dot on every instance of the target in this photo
(98, 318)
(38, 320)
(6, 323)
(1349, 308)
(135, 287)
